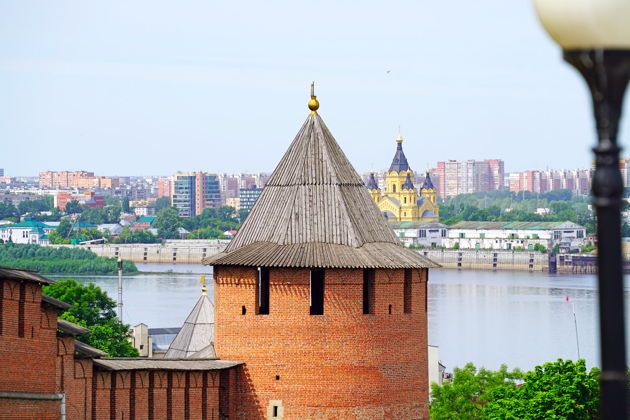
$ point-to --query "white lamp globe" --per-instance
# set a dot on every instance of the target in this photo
(586, 24)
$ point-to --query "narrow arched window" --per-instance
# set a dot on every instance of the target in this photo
(394, 188)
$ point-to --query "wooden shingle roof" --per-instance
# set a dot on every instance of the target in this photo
(315, 212)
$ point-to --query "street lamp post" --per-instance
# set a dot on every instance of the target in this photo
(595, 38)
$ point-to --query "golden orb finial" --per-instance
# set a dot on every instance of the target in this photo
(399, 139)
(313, 104)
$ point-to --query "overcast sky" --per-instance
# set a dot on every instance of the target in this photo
(151, 87)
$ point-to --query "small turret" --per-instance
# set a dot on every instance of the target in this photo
(373, 189)
(427, 189)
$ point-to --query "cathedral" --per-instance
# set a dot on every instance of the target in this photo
(400, 202)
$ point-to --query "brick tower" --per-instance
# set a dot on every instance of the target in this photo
(318, 298)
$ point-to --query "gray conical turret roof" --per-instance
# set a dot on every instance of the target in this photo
(427, 184)
(372, 184)
(196, 337)
(316, 212)
(408, 185)
(399, 163)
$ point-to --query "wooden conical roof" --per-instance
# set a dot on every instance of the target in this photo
(316, 212)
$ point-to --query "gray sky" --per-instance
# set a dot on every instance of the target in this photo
(152, 87)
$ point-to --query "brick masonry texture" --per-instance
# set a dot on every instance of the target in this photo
(342, 364)
(42, 362)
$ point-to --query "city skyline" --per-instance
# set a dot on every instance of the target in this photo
(218, 88)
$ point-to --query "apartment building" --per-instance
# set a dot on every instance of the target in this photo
(465, 177)
(193, 192)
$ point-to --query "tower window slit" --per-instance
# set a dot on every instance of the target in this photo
(368, 291)
(407, 291)
(263, 291)
(317, 292)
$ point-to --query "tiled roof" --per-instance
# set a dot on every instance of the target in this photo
(427, 184)
(408, 185)
(11, 273)
(372, 184)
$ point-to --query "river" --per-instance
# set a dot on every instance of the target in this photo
(489, 318)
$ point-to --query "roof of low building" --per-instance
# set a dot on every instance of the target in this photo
(26, 224)
(87, 351)
(517, 225)
(133, 363)
(11, 273)
(146, 219)
(70, 328)
(315, 212)
(55, 303)
(417, 225)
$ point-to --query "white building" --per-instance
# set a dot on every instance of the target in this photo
(428, 235)
(29, 231)
(514, 235)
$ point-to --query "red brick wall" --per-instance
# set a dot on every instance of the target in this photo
(342, 364)
(163, 391)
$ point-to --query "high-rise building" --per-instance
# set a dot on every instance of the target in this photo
(164, 187)
(194, 192)
(1, 171)
(576, 180)
(248, 197)
(465, 177)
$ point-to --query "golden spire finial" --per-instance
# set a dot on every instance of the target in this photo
(399, 139)
(204, 289)
(313, 104)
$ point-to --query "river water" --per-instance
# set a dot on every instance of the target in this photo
(489, 318)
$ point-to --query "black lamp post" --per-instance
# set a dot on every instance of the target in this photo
(595, 38)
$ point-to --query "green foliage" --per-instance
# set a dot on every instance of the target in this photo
(491, 206)
(127, 236)
(36, 206)
(8, 211)
(162, 203)
(212, 222)
(64, 228)
(125, 205)
(93, 309)
(456, 245)
(73, 207)
(97, 216)
(588, 248)
(59, 260)
(555, 391)
(167, 223)
(540, 248)
(112, 200)
(465, 397)
(559, 390)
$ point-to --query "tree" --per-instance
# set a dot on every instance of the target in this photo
(465, 397)
(8, 210)
(558, 390)
(93, 309)
(162, 203)
(167, 223)
(125, 205)
(112, 200)
(64, 228)
(73, 207)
